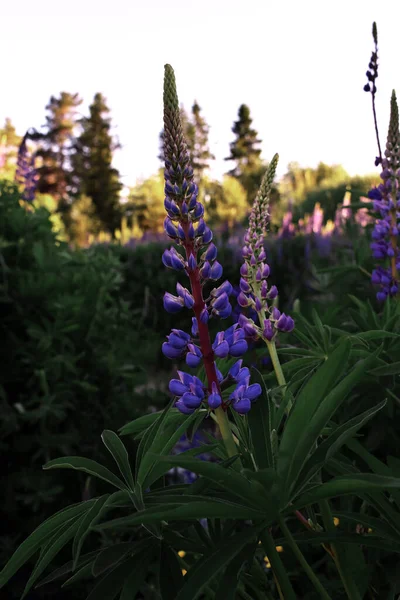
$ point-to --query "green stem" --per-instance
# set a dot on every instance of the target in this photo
(285, 589)
(300, 557)
(226, 432)
(278, 370)
(348, 582)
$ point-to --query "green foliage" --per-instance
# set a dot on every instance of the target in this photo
(69, 360)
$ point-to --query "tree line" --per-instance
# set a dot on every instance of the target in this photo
(74, 159)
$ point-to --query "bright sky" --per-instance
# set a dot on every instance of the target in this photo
(299, 64)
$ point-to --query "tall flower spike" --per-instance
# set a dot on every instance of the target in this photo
(255, 292)
(186, 227)
(386, 200)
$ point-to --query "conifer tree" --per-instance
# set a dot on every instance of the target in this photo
(55, 145)
(94, 175)
(245, 152)
(197, 138)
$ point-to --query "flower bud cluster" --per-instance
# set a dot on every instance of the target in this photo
(186, 227)
(372, 72)
(255, 292)
(386, 202)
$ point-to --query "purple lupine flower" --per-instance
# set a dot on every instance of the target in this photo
(187, 228)
(386, 202)
(254, 290)
(26, 174)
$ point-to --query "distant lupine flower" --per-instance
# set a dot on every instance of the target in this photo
(316, 220)
(255, 292)
(26, 174)
(288, 229)
(370, 86)
(177, 474)
(386, 201)
(185, 225)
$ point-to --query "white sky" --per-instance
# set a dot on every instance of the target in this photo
(299, 64)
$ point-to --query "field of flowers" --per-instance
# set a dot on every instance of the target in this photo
(216, 411)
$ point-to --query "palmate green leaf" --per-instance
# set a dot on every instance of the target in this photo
(111, 556)
(84, 572)
(85, 559)
(152, 433)
(388, 369)
(233, 482)
(140, 425)
(229, 581)
(87, 522)
(150, 469)
(208, 509)
(212, 564)
(57, 543)
(139, 571)
(305, 406)
(325, 411)
(357, 483)
(335, 441)
(260, 424)
(369, 540)
(112, 583)
(120, 455)
(171, 577)
(39, 538)
(86, 465)
(297, 364)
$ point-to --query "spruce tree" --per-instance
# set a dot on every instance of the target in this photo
(245, 152)
(55, 145)
(197, 134)
(94, 175)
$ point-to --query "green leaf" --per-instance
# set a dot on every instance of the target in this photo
(111, 584)
(140, 569)
(171, 577)
(389, 369)
(39, 537)
(335, 537)
(87, 522)
(149, 436)
(305, 406)
(325, 411)
(85, 572)
(347, 484)
(87, 466)
(150, 469)
(238, 486)
(209, 509)
(228, 584)
(335, 441)
(85, 559)
(120, 455)
(212, 564)
(259, 420)
(111, 556)
(58, 542)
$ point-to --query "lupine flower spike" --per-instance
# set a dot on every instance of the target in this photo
(26, 174)
(255, 271)
(386, 201)
(255, 292)
(186, 227)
